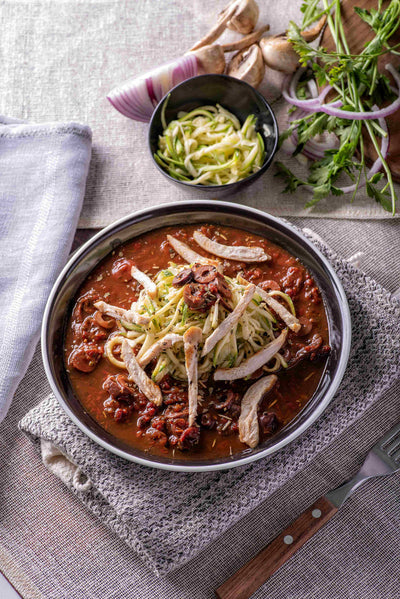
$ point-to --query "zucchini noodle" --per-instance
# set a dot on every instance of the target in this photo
(208, 146)
(285, 297)
(279, 362)
(170, 314)
(109, 347)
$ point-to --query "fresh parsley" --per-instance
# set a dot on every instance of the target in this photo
(358, 84)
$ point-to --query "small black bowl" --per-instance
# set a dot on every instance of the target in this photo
(235, 95)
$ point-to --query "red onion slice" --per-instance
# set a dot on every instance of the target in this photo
(313, 149)
(137, 98)
(333, 109)
(310, 105)
(375, 114)
(312, 88)
(316, 150)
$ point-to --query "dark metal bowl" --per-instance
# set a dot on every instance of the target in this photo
(59, 307)
(238, 97)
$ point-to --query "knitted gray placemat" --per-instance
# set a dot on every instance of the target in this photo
(169, 517)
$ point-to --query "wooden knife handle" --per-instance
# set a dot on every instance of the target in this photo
(257, 571)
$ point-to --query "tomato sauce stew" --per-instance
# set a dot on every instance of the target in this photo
(106, 388)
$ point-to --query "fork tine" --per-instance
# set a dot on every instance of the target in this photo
(393, 446)
(396, 457)
(388, 449)
(391, 437)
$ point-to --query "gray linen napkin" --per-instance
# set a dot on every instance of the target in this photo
(43, 170)
(169, 517)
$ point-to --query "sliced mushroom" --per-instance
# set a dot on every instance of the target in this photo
(145, 281)
(85, 357)
(84, 305)
(311, 34)
(248, 65)
(138, 375)
(241, 253)
(245, 17)
(245, 41)
(157, 347)
(219, 27)
(253, 363)
(102, 322)
(238, 15)
(117, 385)
(248, 420)
(230, 321)
(211, 59)
(191, 340)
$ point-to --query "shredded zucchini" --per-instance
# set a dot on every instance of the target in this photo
(287, 299)
(208, 146)
(131, 326)
(170, 314)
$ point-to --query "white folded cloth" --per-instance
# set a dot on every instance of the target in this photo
(43, 171)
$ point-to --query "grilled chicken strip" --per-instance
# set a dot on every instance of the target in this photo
(287, 317)
(121, 314)
(139, 318)
(248, 420)
(159, 346)
(145, 281)
(138, 375)
(230, 321)
(253, 363)
(191, 340)
(189, 255)
(241, 253)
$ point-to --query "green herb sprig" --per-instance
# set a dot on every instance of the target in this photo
(358, 84)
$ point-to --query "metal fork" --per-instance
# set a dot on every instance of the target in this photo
(383, 459)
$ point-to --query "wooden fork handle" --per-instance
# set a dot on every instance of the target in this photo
(257, 571)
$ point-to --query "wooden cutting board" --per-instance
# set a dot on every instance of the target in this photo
(357, 34)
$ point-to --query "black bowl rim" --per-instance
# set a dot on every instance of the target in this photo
(226, 186)
(248, 212)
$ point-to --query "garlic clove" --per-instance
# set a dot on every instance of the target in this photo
(245, 17)
(248, 65)
(278, 53)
